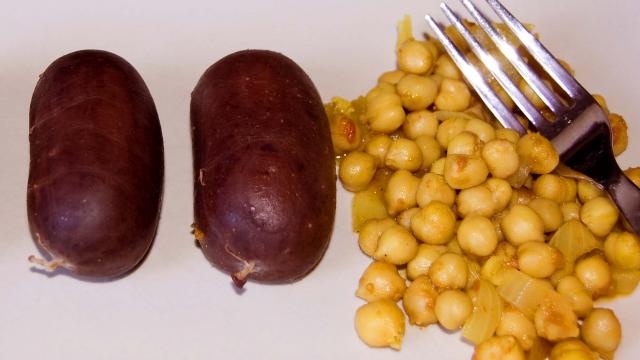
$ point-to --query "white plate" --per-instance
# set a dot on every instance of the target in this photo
(175, 306)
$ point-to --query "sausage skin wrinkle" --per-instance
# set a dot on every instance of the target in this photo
(264, 170)
(96, 169)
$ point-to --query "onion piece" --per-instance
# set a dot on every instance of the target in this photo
(573, 239)
(523, 291)
(487, 310)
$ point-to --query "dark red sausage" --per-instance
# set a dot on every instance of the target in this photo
(264, 170)
(96, 170)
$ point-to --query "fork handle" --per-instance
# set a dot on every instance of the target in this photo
(627, 196)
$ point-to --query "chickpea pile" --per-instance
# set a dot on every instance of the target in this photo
(457, 213)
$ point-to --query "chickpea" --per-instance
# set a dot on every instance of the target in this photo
(391, 77)
(346, 134)
(570, 211)
(477, 200)
(482, 129)
(419, 302)
(571, 191)
(449, 129)
(588, 191)
(623, 250)
(422, 122)
(634, 175)
(437, 78)
(510, 135)
(403, 154)
(384, 112)
(538, 152)
(619, 135)
(433, 46)
(404, 218)
(378, 147)
(521, 196)
(400, 193)
(381, 281)
(416, 92)
(513, 322)
(499, 347)
(554, 318)
(449, 271)
(600, 215)
(463, 172)
(594, 272)
(370, 234)
(396, 246)
(437, 167)
(552, 187)
(522, 224)
(572, 349)
(601, 330)
(445, 67)
(501, 193)
(549, 211)
(356, 170)
(453, 308)
(414, 57)
(501, 158)
(380, 323)
(465, 143)
(538, 259)
(430, 149)
(426, 255)
(433, 187)
(434, 224)
(477, 235)
(454, 95)
(578, 296)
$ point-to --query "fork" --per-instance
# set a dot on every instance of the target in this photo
(580, 131)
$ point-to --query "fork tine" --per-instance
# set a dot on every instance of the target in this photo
(539, 52)
(490, 62)
(493, 102)
(549, 97)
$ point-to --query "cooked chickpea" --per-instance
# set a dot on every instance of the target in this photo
(578, 296)
(422, 122)
(419, 302)
(437, 167)
(600, 215)
(381, 281)
(434, 224)
(453, 308)
(554, 318)
(414, 57)
(433, 187)
(463, 172)
(346, 134)
(513, 322)
(403, 154)
(380, 323)
(482, 129)
(378, 147)
(445, 67)
(370, 234)
(465, 143)
(433, 46)
(426, 255)
(588, 191)
(619, 135)
(570, 211)
(571, 191)
(499, 347)
(477, 235)
(623, 250)
(477, 200)
(404, 218)
(449, 128)
(538, 259)
(572, 349)
(538, 152)
(549, 211)
(396, 246)
(400, 193)
(356, 170)
(601, 330)
(384, 112)
(521, 196)
(501, 158)
(510, 135)
(501, 192)
(416, 92)
(594, 272)
(391, 77)
(633, 174)
(449, 271)
(522, 224)
(552, 187)
(454, 95)
(430, 149)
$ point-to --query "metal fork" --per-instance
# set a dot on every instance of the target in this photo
(580, 131)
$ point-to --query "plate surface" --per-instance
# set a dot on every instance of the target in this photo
(175, 306)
